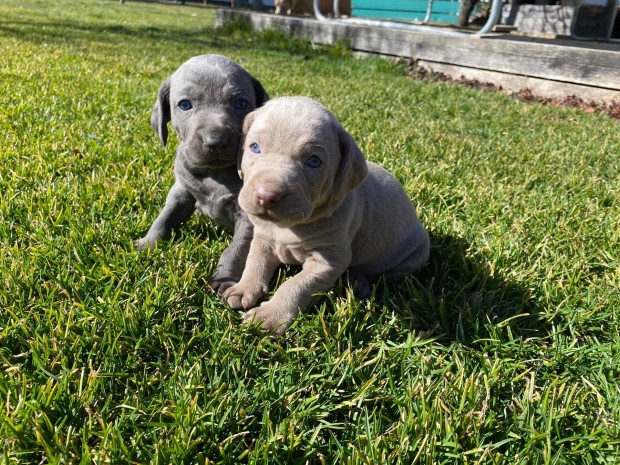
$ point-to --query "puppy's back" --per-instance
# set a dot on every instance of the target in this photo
(390, 240)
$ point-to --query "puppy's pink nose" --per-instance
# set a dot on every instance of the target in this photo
(266, 197)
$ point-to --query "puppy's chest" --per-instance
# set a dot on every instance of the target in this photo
(215, 198)
(287, 246)
(291, 255)
(221, 211)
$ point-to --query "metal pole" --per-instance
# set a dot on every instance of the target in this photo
(317, 11)
(494, 17)
(429, 12)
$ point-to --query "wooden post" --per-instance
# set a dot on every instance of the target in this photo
(466, 8)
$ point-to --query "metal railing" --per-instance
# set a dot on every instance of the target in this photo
(494, 16)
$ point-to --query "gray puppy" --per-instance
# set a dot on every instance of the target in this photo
(206, 99)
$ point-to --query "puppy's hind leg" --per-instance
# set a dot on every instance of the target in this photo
(358, 283)
(232, 262)
(180, 205)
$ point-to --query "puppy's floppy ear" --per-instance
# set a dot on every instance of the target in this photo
(259, 92)
(352, 170)
(247, 123)
(161, 112)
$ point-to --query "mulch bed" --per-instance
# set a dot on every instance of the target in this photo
(417, 72)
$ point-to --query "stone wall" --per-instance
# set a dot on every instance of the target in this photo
(552, 19)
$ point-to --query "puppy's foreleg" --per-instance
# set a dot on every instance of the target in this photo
(260, 266)
(232, 262)
(294, 295)
(180, 205)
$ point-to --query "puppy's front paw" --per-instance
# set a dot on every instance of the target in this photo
(270, 318)
(144, 243)
(240, 296)
(221, 284)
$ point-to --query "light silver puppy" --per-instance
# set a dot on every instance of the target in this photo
(206, 99)
(316, 202)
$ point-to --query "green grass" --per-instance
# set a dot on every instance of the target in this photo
(505, 349)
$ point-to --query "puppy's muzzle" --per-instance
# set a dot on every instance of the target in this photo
(213, 143)
(212, 148)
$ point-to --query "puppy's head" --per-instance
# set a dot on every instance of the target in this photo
(298, 163)
(207, 99)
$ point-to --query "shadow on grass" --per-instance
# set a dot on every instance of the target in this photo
(454, 298)
(457, 297)
(64, 32)
(237, 34)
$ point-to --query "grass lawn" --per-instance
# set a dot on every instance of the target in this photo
(505, 349)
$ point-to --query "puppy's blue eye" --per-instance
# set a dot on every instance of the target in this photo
(185, 105)
(241, 104)
(254, 148)
(314, 162)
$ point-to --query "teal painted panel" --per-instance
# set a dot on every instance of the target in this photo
(444, 11)
(410, 16)
(413, 5)
(446, 7)
(401, 5)
(398, 5)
